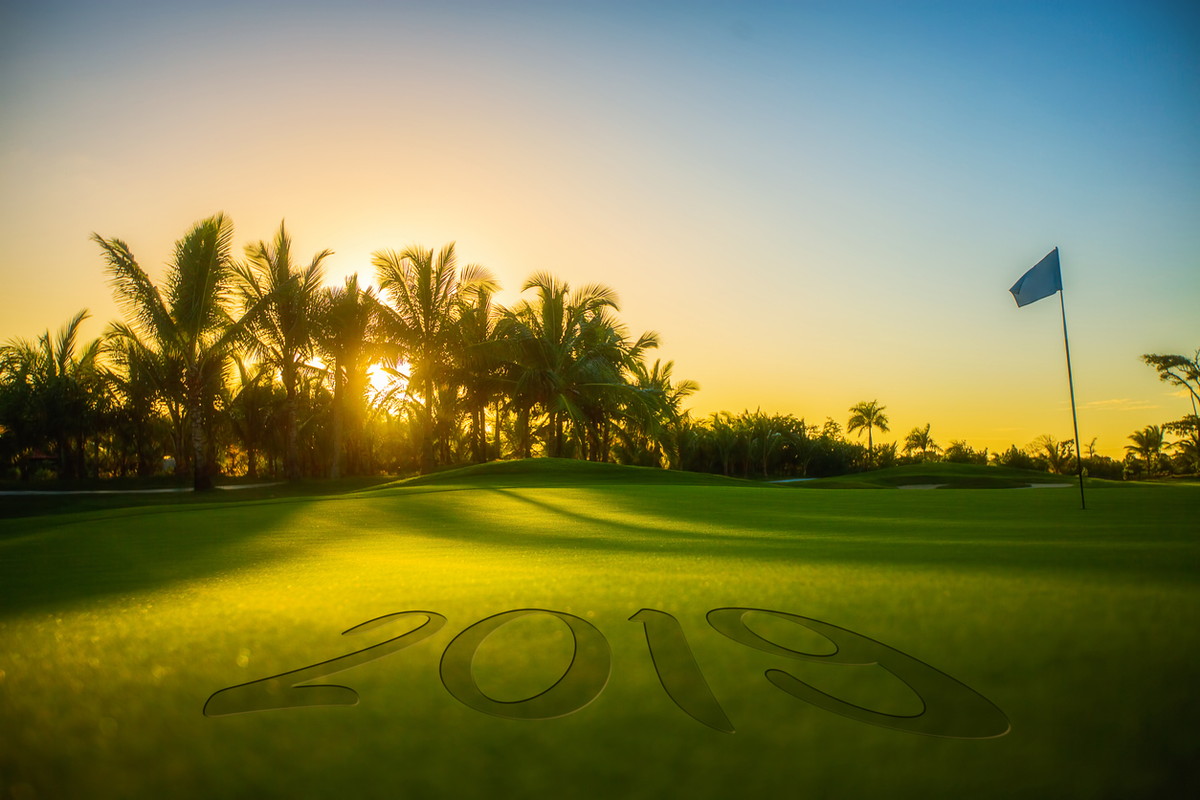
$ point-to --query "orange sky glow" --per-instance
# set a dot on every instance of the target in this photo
(813, 207)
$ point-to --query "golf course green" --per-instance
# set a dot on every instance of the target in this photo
(1082, 628)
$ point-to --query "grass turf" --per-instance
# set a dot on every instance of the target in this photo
(945, 475)
(117, 624)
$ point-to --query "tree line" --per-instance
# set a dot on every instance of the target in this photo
(255, 367)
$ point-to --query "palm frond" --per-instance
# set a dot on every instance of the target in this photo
(477, 279)
(138, 297)
(63, 351)
(200, 277)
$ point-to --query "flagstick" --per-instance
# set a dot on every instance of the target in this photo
(1074, 416)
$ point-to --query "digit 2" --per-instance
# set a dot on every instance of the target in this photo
(285, 690)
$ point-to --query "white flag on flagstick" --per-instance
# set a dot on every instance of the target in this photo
(1042, 280)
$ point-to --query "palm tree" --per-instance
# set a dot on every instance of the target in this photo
(186, 325)
(247, 406)
(52, 391)
(624, 390)
(133, 377)
(564, 347)
(1057, 455)
(725, 439)
(346, 339)
(281, 337)
(653, 421)
(919, 439)
(1189, 446)
(478, 365)
(1147, 443)
(425, 293)
(869, 416)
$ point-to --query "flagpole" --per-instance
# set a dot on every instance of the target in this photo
(1071, 382)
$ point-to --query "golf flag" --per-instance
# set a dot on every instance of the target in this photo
(1042, 280)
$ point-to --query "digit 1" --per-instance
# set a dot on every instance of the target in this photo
(678, 671)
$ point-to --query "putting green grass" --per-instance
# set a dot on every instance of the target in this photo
(943, 475)
(116, 626)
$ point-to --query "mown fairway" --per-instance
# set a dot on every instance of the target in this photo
(1083, 627)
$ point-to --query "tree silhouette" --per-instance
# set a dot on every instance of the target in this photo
(920, 439)
(187, 325)
(281, 337)
(50, 393)
(1177, 370)
(425, 293)
(868, 416)
(1148, 444)
(649, 423)
(478, 363)
(563, 346)
(1057, 455)
(348, 322)
(134, 376)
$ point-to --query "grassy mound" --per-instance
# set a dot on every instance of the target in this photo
(546, 472)
(940, 474)
(57, 498)
(116, 625)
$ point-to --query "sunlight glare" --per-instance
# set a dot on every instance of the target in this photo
(382, 380)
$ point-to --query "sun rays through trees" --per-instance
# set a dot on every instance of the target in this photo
(254, 367)
(257, 368)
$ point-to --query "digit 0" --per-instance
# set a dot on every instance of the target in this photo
(584, 679)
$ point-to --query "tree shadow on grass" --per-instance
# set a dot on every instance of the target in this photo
(65, 561)
(112, 494)
(70, 560)
(985, 534)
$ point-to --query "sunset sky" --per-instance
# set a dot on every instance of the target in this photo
(814, 203)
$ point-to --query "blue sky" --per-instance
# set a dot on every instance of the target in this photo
(814, 203)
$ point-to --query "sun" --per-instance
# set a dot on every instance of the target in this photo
(382, 380)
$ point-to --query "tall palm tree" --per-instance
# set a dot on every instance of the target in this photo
(1147, 443)
(868, 415)
(425, 291)
(347, 341)
(478, 365)
(281, 337)
(186, 324)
